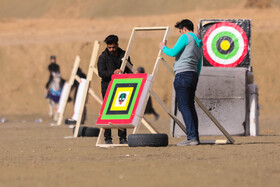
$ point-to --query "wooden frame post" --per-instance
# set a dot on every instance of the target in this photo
(74, 77)
(71, 81)
(88, 80)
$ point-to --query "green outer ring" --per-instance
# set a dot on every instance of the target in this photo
(122, 116)
(225, 56)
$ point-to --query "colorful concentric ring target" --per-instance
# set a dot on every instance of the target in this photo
(225, 44)
(122, 99)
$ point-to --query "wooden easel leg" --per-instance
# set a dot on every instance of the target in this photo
(71, 81)
(100, 137)
(136, 129)
(215, 121)
(149, 126)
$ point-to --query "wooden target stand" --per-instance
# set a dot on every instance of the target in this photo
(151, 92)
(123, 66)
(92, 69)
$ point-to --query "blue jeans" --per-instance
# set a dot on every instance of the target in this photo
(185, 86)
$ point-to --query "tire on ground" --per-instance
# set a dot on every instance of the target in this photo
(87, 131)
(151, 140)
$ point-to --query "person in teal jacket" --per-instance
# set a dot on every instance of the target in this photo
(188, 59)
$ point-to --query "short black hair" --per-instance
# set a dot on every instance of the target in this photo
(111, 39)
(141, 70)
(53, 57)
(185, 23)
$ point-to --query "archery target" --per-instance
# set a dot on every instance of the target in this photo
(123, 100)
(225, 44)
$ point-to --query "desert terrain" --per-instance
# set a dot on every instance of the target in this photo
(36, 154)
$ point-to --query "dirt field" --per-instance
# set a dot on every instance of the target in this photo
(37, 154)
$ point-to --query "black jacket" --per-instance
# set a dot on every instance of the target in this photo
(106, 66)
(53, 67)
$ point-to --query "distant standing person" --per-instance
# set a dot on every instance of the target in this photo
(188, 56)
(109, 63)
(54, 87)
(149, 108)
(53, 67)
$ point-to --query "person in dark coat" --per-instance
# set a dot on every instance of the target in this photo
(149, 108)
(53, 67)
(109, 63)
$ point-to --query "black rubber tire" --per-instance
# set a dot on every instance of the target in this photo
(81, 131)
(151, 140)
(87, 131)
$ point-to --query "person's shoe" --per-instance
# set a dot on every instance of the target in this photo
(123, 141)
(109, 141)
(188, 142)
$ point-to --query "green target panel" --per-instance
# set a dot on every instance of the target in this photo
(226, 43)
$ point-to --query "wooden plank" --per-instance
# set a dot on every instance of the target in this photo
(91, 92)
(150, 28)
(100, 136)
(215, 121)
(93, 59)
(149, 126)
(156, 67)
(127, 52)
(181, 125)
(215, 142)
(71, 81)
(167, 66)
(88, 80)
(112, 145)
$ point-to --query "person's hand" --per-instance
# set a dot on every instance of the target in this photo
(162, 44)
(118, 71)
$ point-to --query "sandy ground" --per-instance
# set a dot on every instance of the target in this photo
(37, 154)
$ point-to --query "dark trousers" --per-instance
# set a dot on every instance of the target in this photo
(121, 134)
(185, 86)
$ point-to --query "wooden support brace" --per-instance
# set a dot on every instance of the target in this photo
(181, 125)
(71, 81)
(215, 121)
(90, 91)
(88, 80)
(149, 126)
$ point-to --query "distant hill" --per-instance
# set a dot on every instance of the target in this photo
(107, 8)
